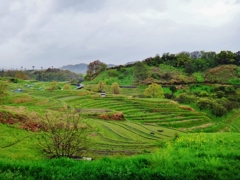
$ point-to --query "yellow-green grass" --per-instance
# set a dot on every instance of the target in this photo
(18, 144)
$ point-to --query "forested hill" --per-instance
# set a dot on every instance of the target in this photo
(50, 74)
(181, 68)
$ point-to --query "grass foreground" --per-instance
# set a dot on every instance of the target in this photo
(193, 156)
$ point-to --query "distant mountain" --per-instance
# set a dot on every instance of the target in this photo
(128, 63)
(111, 65)
(80, 68)
(77, 68)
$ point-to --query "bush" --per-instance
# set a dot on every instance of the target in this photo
(216, 108)
(121, 77)
(185, 98)
(53, 86)
(66, 87)
(204, 103)
(220, 94)
(167, 76)
(101, 87)
(64, 135)
(112, 73)
(115, 88)
(109, 81)
(154, 91)
(203, 94)
(14, 80)
(168, 95)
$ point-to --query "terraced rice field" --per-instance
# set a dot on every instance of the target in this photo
(148, 122)
(158, 112)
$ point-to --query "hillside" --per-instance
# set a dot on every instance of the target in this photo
(169, 75)
(181, 68)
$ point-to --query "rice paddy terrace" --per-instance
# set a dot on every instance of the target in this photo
(146, 122)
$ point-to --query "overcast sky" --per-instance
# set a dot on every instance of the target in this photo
(46, 33)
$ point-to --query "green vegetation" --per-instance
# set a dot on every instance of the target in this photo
(195, 156)
(189, 129)
(154, 91)
(115, 88)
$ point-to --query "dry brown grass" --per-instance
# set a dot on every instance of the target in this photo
(116, 116)
(22, 99)
(187, 108)
(221, 74)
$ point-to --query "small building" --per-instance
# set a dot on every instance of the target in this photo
(102, 94)
(79, 86)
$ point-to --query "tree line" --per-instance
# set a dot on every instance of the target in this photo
(196, 61)
(50, 74)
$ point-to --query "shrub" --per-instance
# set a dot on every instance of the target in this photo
(121, 77)
(167, 76)
(101, 87)
(109, 81)
(216, 108)
(21, 75)
(14, 80)
(115, 88)
(204, 103)
(220, 94)
(66, 87)
(203, 94)
(173, 89)
(64, 135)
(53, 86)
(154, 91)
(112, 73)
(168, 95)
(185, 98)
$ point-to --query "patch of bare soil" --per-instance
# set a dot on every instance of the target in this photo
(187, 108)
(116, 116)
(22, 121)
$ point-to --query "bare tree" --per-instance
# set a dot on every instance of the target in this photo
(63, 135)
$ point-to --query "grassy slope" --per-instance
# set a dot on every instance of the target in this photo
(195, 156)
(229, 74)
(18, 144)
(209, 156)
(110, 76)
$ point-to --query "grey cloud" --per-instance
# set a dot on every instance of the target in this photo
(237, 2)
(60, 32)
(79, 5)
